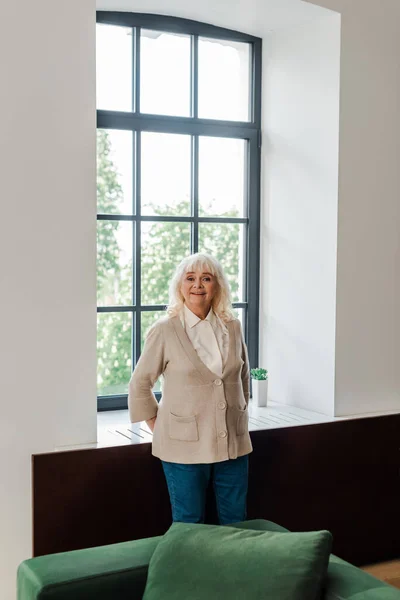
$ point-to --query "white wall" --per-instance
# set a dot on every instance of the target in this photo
(255, 17)
(299, 212)
(47, 248)
(368, 277)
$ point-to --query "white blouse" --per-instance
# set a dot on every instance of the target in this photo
(209, 337)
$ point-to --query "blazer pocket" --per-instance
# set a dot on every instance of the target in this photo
(242, 421)
(183, 428)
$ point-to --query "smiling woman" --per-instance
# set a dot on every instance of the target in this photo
(200, 428)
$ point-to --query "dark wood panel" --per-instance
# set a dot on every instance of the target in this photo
(342, 476)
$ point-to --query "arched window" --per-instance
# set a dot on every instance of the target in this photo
(178, 171)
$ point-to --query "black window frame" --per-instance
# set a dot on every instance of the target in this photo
(138, 122)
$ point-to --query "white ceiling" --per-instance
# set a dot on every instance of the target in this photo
(255, 17)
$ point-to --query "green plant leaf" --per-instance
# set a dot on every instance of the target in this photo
(259, 374)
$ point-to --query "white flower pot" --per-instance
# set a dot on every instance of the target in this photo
(259, 392)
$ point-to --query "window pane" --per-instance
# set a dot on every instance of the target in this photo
(225, 242)
(114, 353)
(114, 67)
(165, 174)
(164, 73)
(114, 263)
(114, 172)
(164, 245)
(224, 80)
(222, 176)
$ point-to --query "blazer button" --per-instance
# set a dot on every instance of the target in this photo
(222, 405)
(218, 382)
(222, 434)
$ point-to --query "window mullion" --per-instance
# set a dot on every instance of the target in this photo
(136, 240)
(136, 70)
(253, 252)
(194, 75)
(134, 228)
(256, 81)
(137, 249)
(195, 194)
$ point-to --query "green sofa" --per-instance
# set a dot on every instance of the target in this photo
(119, 572)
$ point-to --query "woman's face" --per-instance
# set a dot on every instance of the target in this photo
(198, 289)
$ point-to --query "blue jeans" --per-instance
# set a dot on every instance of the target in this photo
(187, 486)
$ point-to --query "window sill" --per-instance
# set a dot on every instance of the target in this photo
(114, 428)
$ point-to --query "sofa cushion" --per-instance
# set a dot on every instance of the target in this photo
(208, 562)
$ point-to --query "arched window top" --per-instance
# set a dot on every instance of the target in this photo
(213, 72)
(173, 25)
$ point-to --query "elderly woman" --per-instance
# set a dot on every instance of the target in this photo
(200, 428)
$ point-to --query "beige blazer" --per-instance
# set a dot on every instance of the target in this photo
(202, 418)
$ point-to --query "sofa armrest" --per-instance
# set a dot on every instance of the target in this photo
(346, 582)
(106, 572)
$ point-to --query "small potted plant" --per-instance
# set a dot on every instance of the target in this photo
(259, 382)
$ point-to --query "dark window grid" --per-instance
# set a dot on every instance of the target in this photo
(172, 25)
(130, 121)
(136, 70)
(137, 122)
(194, 237)
(149, 307)
(172, 218)
(117, 402)
(136, 338)
(255, 72)
(194, 70)
(136, 271)
(194, 219)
